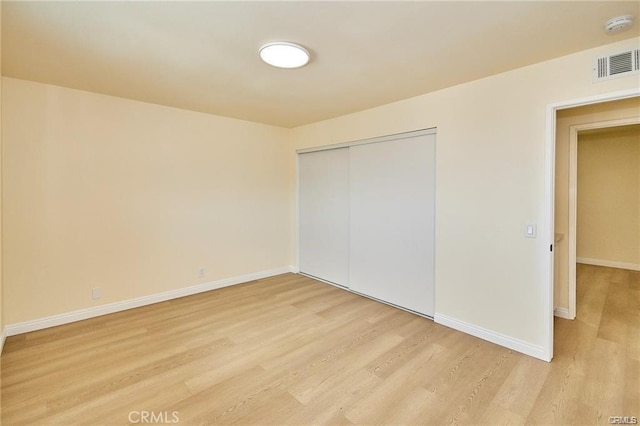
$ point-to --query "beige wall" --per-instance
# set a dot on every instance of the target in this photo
(608, 226)
(565, 119)
(133, 198)
(490, 183)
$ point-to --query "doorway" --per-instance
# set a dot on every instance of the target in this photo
(567, 120)
(570, 124)
(603, 160)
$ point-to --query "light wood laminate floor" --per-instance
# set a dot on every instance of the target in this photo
(291, 350)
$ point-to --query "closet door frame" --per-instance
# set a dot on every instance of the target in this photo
(386, 138)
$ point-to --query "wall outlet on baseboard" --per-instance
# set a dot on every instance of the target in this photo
(202, 272)
(96, 293)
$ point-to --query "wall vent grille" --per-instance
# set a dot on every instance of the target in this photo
(616, 65)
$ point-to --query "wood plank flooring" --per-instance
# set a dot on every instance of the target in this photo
(291, 350)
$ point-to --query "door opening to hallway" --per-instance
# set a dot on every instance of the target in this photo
(609, 225)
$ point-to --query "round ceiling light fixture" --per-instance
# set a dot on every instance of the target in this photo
(283, 54)
(618, 24)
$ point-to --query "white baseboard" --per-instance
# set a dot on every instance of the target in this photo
(493, 337)
(562, 313)
(608, 263)
(82, 314)
(3, 337)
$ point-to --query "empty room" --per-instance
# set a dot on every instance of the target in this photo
(319, 213)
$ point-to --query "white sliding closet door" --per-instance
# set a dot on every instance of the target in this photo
(392, 221)
(324, 215)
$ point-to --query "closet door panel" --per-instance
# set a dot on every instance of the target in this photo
(392, 221)
(324, 215)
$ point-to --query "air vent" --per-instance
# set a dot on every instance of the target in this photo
(617, 65)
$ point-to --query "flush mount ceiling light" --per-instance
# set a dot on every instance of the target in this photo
(618, 24)
(283, 54)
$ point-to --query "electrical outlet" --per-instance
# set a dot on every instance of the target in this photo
(96, 293)
(202, 272)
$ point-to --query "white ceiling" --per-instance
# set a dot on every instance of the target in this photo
(203, 56)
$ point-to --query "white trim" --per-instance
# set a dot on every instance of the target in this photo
(573, 220)
(563, 313)
(82, 314)
(297, 202)
(549, 202)
(397, 136)
(595, 99)
(549, 235)
(494, 337)
(3, 337)
(608, 263)
(573, 197)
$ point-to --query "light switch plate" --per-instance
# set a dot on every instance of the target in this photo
(530, 230)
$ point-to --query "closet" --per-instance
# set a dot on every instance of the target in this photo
(367, 217)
